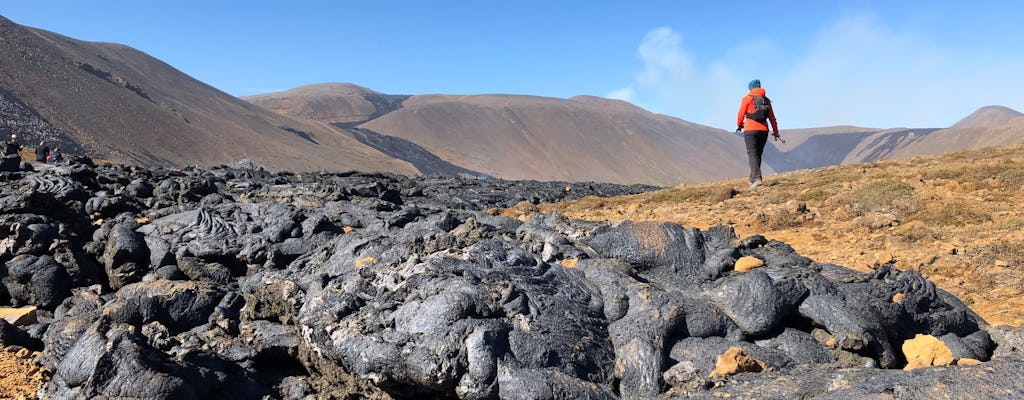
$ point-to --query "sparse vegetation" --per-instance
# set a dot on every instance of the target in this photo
(1010, 173)
(816, 194)
(779, 219)
(1013, 177)
(885, 196)
(953, 217)
(916, 232)
(954, 213)
(703, 194)
(1009, 252)
(1015, 224)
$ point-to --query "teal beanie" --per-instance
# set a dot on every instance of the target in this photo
(756, 83)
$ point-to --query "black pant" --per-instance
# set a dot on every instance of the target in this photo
(755, 147)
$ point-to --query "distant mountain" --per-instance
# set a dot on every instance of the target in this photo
(584, 138)
(114, 102)
(987, 117)
(987, 127)
(332, 103)
(818, 147)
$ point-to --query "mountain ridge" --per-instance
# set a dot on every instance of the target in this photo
(117, 103)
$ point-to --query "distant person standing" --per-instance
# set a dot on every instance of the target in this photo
(42, 150)
(11, 147)
(755, 112)
(57, 156)
(10, 161)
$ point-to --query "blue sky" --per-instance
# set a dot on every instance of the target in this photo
(868, 63)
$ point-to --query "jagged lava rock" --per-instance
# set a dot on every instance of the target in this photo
(237, 282)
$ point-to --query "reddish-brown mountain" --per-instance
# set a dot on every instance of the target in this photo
(113, 102)
(117, 103)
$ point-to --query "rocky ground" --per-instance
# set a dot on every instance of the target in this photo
(954, 218)
(234, 282)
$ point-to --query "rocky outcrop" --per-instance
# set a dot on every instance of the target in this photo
(235, 282)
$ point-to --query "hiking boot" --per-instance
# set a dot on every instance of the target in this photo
(754, 184)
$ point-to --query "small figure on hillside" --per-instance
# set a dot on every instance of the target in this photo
(42, 150)
(56, 156)
(11, 147)
(755, 112)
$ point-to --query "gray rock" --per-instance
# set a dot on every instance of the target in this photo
(126, 257)
(241, 283)
(178, 305)
(750, 299)
(112, 361)
(39, 281)
(1009, 341)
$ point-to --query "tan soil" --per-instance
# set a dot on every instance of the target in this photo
(21, 378)
(956, 218)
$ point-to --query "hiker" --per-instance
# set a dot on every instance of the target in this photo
(42, 151)
(755, 112)
(11, 147)
(56, 157)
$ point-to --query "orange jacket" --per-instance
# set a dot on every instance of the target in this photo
(747, 106)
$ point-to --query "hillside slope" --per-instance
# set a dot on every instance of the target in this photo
(580, 139)
(819, 147)
(955, 218)
(584, 138)
(117, 103)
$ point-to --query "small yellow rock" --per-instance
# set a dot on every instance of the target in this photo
(20, 316)
(926, 351)
(734, 361)
(365, 260)
(967, 361)
(570, 262)
(748, 263)
(898, 298)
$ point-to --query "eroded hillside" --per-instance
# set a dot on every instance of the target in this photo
(955, 218)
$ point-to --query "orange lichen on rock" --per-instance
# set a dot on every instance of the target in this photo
(364, 261)
(734, 361)
(748, 263)
(926, 351)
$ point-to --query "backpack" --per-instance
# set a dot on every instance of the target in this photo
(761, 107)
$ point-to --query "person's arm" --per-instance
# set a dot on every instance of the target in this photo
(771, 118)
(742, 113)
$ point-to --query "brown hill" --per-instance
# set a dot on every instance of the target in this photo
(113, 102)
(581, 139)
(584, 138)
(955, 218)
(989, 126)
(117, 103)
(588, 138)
(329, 103)
(818, 147)
(987, 117)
